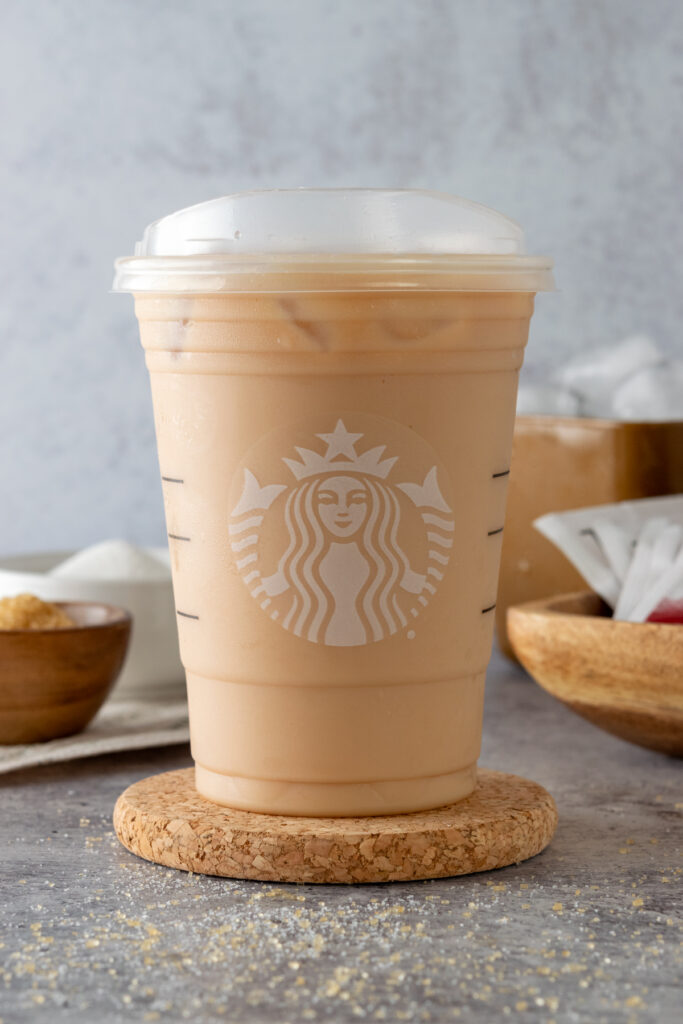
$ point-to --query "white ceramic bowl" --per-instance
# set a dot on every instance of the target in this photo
(153, 667)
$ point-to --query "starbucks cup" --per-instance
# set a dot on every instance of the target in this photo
(334, 375)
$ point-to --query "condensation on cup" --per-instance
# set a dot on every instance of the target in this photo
(334, 375)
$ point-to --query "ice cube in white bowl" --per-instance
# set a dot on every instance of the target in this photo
(652, 394)
(153, 668)
(595, 375)
(546, 400)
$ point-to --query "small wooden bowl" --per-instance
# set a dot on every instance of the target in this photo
(54, 681)
(625, 677)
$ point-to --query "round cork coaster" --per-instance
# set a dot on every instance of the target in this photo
(506, 820)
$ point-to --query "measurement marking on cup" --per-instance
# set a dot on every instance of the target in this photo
(492, 533)
(177, 536)
(186, 615)
(172, 480)
(506, 472)
(489, 609)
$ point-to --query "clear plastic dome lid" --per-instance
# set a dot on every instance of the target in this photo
(224, 244)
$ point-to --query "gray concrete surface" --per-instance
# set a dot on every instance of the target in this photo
(565, 114)
(589, 931)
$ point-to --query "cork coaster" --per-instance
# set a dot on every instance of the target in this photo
(506, 820)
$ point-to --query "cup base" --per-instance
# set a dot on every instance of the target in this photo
(338, 799)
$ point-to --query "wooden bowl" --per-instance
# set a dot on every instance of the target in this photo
(54, 681)
(625, 677)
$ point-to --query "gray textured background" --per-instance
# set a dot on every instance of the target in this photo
(562, 113)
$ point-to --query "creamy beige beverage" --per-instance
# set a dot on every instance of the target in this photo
(334, 439)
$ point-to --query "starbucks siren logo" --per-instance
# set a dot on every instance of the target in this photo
(344, 576)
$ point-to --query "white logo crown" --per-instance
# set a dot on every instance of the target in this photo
(340, 456)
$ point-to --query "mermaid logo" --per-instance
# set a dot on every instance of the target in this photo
(352, 568)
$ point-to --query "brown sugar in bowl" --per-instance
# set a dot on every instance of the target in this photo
(54, 681)
(625, 677)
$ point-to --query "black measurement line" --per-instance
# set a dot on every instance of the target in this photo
(506, 472)
(489, 609)
(176, 536)
(186, 615)
(173, 480)
(492, 533)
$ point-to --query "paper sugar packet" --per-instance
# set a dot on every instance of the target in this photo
(630, 553)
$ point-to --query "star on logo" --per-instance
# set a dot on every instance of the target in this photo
(341, 455)
(341, 442)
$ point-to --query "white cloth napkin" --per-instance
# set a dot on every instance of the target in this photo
(120, 725)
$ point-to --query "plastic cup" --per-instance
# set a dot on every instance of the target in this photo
(334, 377)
